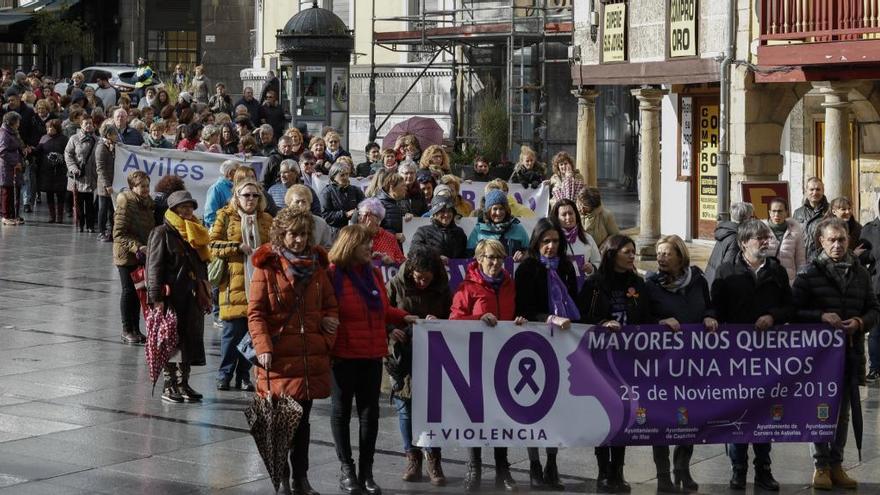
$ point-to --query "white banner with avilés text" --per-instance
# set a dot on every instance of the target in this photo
(197, 169)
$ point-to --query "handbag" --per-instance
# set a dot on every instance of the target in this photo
(216, 271)
(246, 345)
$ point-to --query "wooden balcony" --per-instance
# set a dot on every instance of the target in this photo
(819, 32)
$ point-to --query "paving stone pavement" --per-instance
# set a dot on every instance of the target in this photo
(77, 415)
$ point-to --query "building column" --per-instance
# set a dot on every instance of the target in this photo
(836, 173)
(585, 158)
(257, 63)
(649, 171)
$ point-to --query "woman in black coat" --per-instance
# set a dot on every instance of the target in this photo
(51, 169)
(545, 296)
(612, 297)
(678, 293)
(339, 199)
(442, 235)
(177, 278)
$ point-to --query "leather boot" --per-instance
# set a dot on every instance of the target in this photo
(551, 475)
(684, 481)
(59, 213)
(764, 479)
(618, 481)
(348, 481)
(665, 484)
(603, 483)
(301, 486)
(738, 478)
(284, 487)
(365, 477)
(190, 395)
(536, 476)
(130, 335)
(413, 470)
(435, 470)
(473, 477)
(822, 479)
(842, 480)
(503, 479)
(170, 391)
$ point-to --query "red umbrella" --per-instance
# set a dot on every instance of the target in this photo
(161, 340)
(426, 130)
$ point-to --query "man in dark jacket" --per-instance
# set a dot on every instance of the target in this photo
(442, 235)
(372, 163)
(836, 289)
(815, 207)
(276, 156)
(726, 248)
(253, 106)
(271, 113)
(753, 288)
(871, 233)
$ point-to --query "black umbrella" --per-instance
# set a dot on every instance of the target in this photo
(855, 404)
(272, 421)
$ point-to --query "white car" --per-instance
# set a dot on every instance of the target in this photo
(122, 77)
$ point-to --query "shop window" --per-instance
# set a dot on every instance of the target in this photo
(166, 49)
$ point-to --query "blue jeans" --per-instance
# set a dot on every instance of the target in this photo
(404, 420)
(231, 361)
(739, 455)
(29, 188)
(874, 349)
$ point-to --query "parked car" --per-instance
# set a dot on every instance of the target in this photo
(121, 76)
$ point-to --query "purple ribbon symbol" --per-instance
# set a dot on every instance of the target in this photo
(527, 367)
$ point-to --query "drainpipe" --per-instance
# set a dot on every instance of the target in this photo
(724, 116)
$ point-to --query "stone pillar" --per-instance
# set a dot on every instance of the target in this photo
(649, 171)
(836, 173)
(585, 159)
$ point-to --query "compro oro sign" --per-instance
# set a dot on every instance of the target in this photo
(614, 33)
(682, 28)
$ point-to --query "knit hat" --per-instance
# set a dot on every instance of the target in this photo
(443, 190)
(185, 96)
(440, 203)
(495, 197)
(180, 197)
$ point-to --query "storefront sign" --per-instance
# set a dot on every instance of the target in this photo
(614, 33)
(709, 130)
(682, 28)
(530, 386)
(759, 194)
(687, 136)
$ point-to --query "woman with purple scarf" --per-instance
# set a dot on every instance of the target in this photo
(546, 284)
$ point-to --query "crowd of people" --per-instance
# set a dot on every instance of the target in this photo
(294, 268)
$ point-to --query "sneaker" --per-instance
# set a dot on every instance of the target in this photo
(873, 375)
(218, 323)
(223, 384)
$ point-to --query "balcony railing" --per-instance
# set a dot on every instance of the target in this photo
(819, 21)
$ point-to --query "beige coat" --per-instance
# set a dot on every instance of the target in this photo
(600, 224)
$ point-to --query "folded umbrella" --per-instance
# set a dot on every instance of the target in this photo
(272, 422)
(161, 340)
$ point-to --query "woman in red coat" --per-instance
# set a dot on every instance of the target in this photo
(361, 343)
(487, 293)
(292, 319)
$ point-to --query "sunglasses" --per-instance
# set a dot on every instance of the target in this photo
(249, 195)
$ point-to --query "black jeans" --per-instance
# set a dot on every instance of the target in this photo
(355, 380)
(105, 214)
(86, 208)
(55, 197)
(476, 457)
(610, 458)
(129, 305)
(681, 457)
(299, 451)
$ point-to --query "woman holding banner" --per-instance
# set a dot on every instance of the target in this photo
(612, 297)
(442, 235)
(678, 293)
(421, 288)
(361, 343)
(546, 284)
(578, 242)
(497, 223)
(487, 294)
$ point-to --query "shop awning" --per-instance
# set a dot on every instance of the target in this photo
(14, 22)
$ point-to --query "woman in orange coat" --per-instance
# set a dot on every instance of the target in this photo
(292, 319)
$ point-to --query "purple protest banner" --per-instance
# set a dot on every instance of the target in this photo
(519, 386)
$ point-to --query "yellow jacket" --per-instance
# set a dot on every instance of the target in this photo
(225, 241)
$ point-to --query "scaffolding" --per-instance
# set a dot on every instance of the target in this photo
(477, 38)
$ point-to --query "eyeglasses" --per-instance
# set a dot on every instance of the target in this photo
(249, 195)
(492, 258)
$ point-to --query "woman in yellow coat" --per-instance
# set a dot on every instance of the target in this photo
(240, 228)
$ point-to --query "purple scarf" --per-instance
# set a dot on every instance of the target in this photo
(363, 280)
(571, 235)
(559, 301)
(495, 282)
